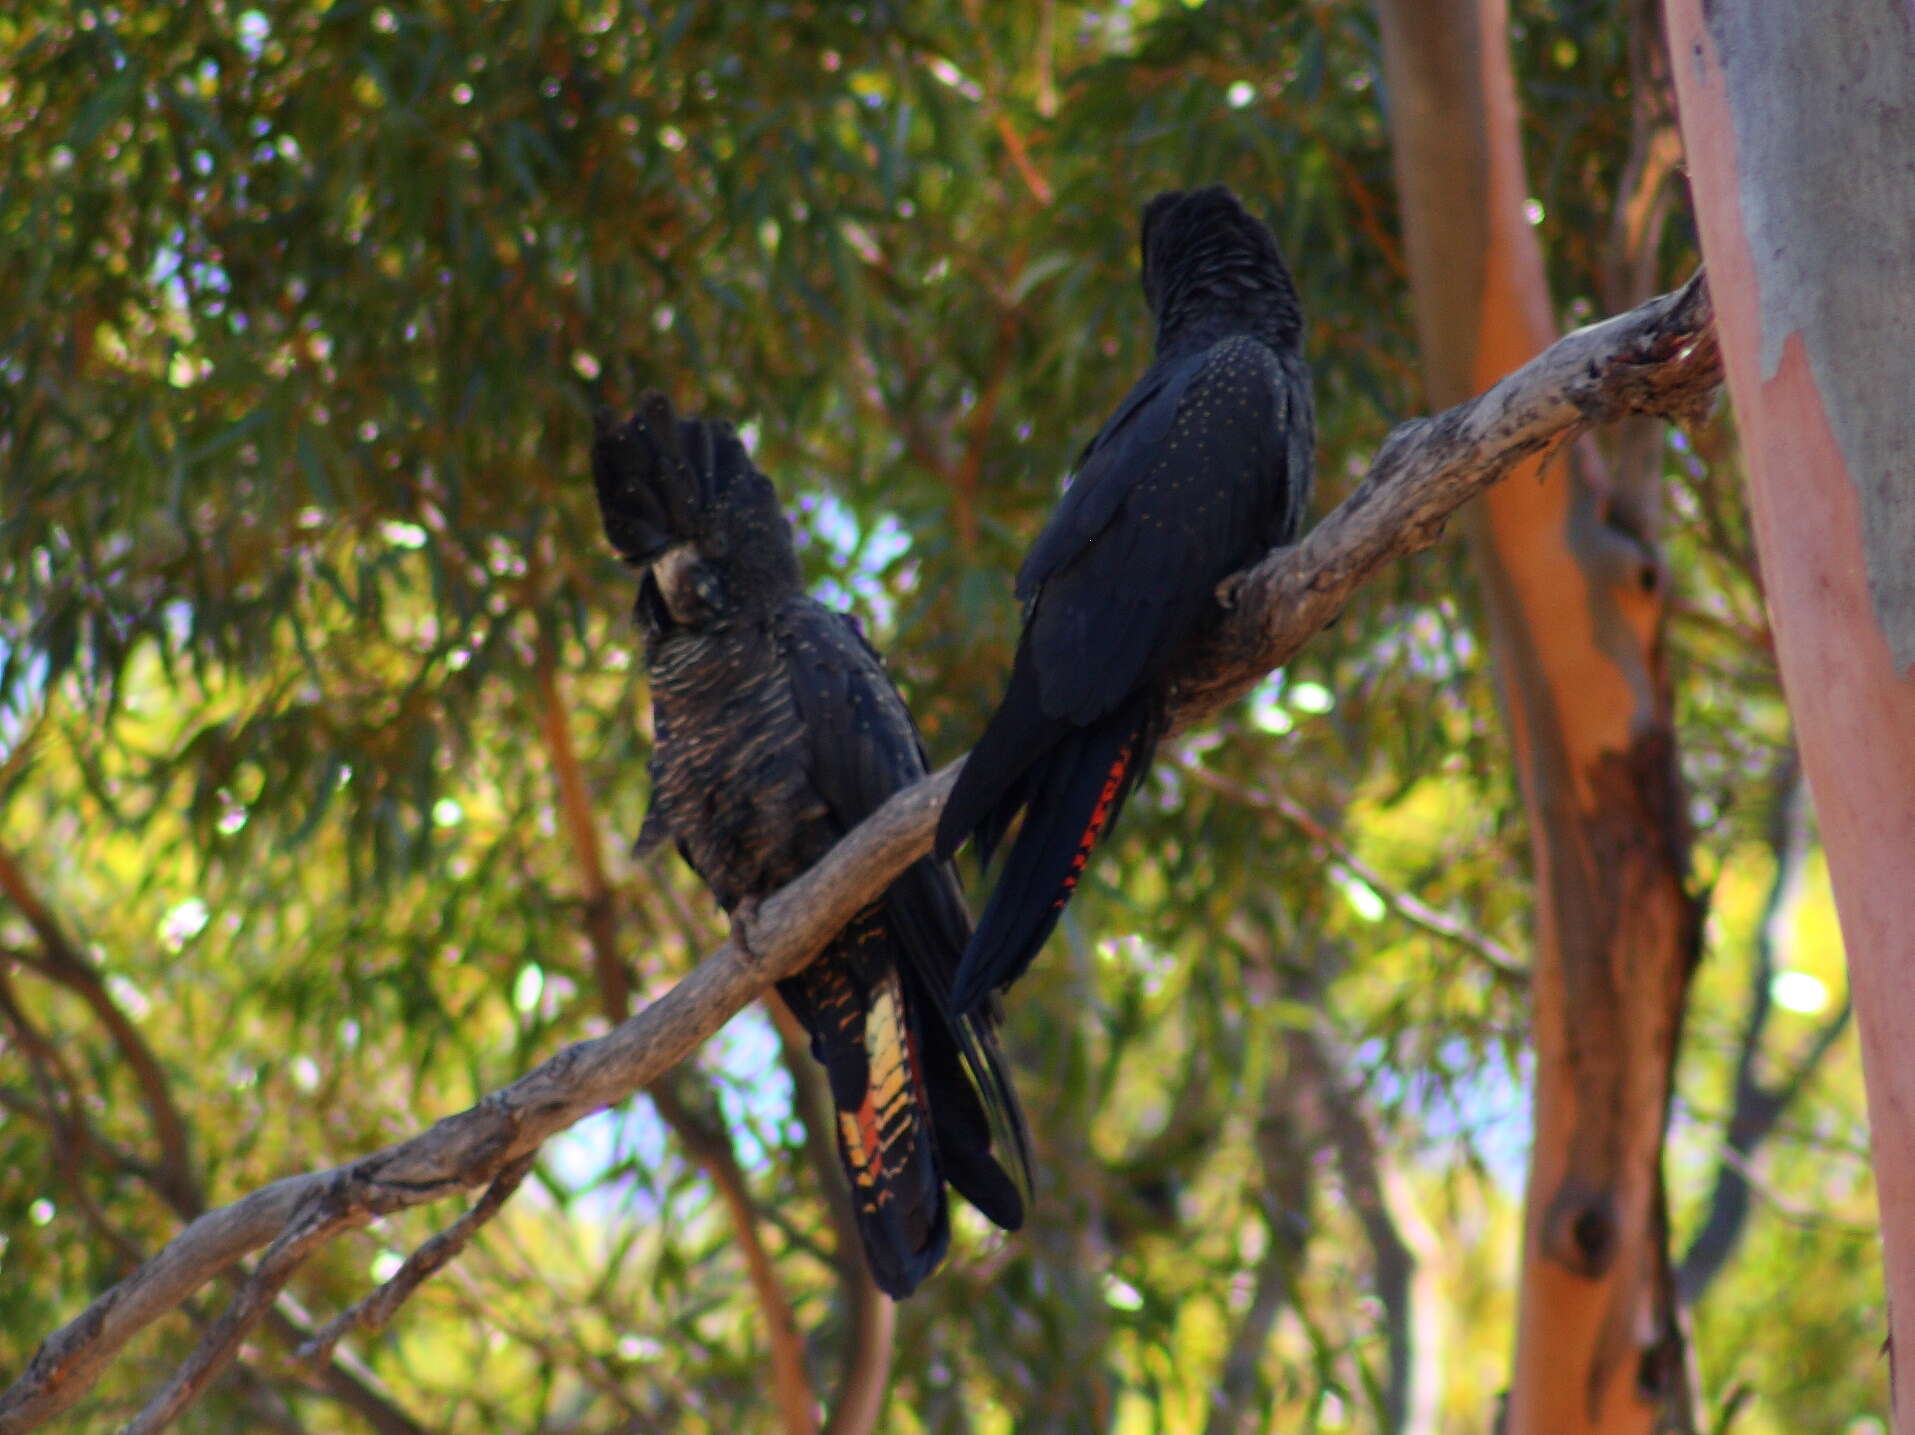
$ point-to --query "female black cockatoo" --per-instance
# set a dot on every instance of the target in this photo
(777, 732)
(1204, 467)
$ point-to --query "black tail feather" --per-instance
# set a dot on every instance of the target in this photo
(995, 780)
(1075, 792)
(983, 1141)
(865, 1035)
(921, 1093)
(990, 830)
(964, 1131)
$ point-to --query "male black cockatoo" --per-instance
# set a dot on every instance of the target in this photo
(777, 732)
(1205, 466)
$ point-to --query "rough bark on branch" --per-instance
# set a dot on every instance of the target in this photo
(1659, 357)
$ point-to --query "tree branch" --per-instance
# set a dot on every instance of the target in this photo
(1393, 1260)
(375, 1310)
(174, 1181)
(66, 1122)
(65, 964)
(315, 1226)
(1758, 1108)
(1289, 1133)
(1659, 357)
(703, 1136)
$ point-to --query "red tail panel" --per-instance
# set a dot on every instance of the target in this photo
(1100, 815)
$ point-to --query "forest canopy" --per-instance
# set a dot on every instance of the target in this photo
(323, 728)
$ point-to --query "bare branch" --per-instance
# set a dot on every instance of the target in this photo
(1289, 1133)
(174, 1181)
(575, 806)
(66, 1123)
(345, 1378)
(1660, 358)
(1758, 1107)
(698, 1125)
(64, 963)
(1407, 1405)
(375, 1310)
(220, 1344)
(1657, 358)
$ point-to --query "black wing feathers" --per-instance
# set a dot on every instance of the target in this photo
(777, 731)
(863, 747)
(1204, 466)
(1105, 472)
(991, 788)
(1190, 472)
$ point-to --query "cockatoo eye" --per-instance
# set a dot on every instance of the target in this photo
(689, 586)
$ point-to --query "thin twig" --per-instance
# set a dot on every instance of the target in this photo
(375, 1310)
(1289, 1133)
(1028, 171)
(1791, 1211)
(1758, 1107)
(1412, 909)
(173, 1181)
(221, 1341)
(1407, 1397)
(481, 1306)
(66, 1122)
(64, 963)
(350, 1384)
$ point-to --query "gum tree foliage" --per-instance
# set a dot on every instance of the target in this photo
(305, 310)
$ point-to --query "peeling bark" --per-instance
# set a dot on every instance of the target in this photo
(1821, 99)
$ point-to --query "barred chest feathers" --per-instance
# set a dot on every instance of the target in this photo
(728, 772)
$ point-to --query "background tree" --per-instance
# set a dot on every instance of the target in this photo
(1802, 196)
(323, 740)
(1572, 582)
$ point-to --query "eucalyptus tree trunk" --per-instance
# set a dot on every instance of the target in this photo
(1573, 588)
(1799, 124)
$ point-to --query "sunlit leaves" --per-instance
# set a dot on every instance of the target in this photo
(303, 313)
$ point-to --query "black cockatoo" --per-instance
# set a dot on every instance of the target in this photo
(777, 732)
(1204, 466)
